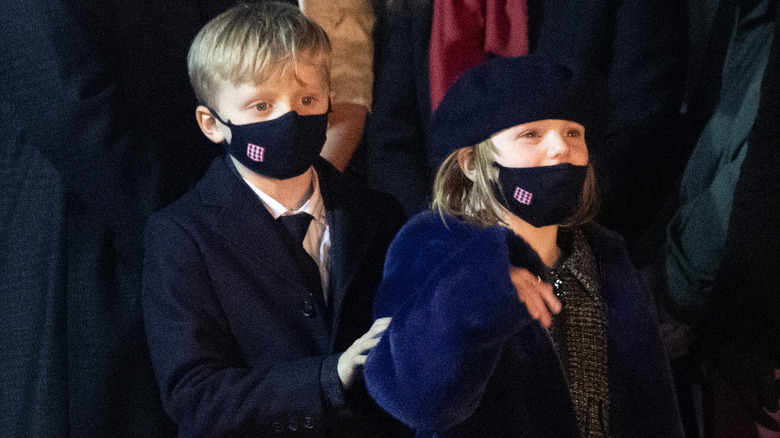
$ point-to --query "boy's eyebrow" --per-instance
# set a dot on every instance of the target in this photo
(316, 89)
(258, 95)
(300, 82)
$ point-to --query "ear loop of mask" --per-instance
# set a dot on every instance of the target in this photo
(214, 113)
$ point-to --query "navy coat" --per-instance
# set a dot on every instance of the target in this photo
(240, 345)
(463, 358)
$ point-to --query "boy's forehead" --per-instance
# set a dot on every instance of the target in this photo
(303, 74)
(305, 69)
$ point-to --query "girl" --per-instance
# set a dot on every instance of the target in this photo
(513, 315)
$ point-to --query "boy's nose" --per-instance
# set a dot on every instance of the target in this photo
(283, 107)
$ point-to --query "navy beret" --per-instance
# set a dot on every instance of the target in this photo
(505, 92)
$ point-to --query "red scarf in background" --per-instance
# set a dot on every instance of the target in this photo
(464, 32)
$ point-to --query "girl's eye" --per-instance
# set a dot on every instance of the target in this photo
(573, 133)
(307, 100)
(262, 106)
(529, 134)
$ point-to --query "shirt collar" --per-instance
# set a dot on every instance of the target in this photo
(314, 205)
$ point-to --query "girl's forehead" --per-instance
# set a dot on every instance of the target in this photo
(549, 122)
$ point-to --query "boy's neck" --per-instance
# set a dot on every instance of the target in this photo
(292, 192)
(544, 240)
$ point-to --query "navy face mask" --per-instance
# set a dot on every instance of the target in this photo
(281, 148)
(541, 196)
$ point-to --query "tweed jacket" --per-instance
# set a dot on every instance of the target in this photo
(463, 358)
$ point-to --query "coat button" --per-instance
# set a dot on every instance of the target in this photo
(308, 309)
(308, 422)
(277, 426)
(292, 425)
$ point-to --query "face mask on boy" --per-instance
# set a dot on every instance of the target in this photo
(543, 195)
(281, 148)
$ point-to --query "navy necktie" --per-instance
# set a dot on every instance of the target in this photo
(297, 225)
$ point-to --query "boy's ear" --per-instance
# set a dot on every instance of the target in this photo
(466, 163)
(209, 124)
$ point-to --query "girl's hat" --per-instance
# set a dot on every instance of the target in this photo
(505, 92)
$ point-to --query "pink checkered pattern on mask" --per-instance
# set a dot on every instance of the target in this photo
(523, 196)
(255, 152)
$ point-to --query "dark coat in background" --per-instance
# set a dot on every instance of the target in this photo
(740, 329)
(638, 47)
(240, 343)
(697, 229)
(746, 295)
(100, 133)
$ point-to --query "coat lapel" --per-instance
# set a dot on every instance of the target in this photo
(251, 229)
(351, 233)
(246, 223)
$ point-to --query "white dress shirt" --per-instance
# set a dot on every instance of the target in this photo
(317, 240)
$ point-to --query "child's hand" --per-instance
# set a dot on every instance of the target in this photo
(537, 296)
(353, 359)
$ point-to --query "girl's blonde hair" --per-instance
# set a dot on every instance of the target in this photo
(250, 42)
(473, 199)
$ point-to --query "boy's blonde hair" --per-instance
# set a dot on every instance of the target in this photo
(251, 42)
(473, 200)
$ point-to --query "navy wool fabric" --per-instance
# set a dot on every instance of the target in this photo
(240, 344)
(463, 358)
(505, 92)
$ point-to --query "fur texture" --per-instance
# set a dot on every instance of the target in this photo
(463, 358)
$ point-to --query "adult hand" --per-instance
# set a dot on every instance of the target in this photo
(537, 295)
(352, 360)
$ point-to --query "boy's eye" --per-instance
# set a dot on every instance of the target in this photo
(307, 100)
(262, 106)
(573, 133)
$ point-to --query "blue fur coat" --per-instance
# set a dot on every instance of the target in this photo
(463, 358)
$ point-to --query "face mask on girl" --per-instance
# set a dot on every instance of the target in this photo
(543, 195)
(281, 148)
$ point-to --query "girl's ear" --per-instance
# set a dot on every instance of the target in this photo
(209, 125)
(466, 162)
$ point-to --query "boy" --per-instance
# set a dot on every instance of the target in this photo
(246, 316)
